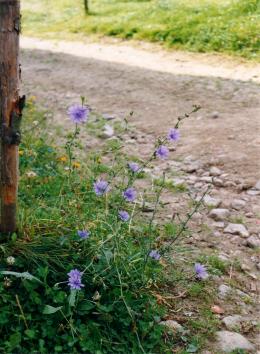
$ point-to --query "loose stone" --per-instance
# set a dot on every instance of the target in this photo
(253, 242)
(229, 341)
(236, 229)
(219, 214)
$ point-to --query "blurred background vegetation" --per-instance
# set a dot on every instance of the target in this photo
(227, 26)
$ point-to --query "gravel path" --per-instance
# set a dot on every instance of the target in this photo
(222, 141)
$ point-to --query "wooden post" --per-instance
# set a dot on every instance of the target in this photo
(11, 106)
(86, 6)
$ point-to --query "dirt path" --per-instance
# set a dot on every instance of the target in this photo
(158, 86)
(117, 79)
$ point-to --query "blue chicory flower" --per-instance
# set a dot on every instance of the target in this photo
(83, 234)
(123, 215)
(201, 271)
(162, 152)
(155, 255)
(101, 187)
(75, 279)
(133, 166)
(129, 194)
(174, 134)
(78, 114)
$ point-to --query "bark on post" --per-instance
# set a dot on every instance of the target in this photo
(11, 106)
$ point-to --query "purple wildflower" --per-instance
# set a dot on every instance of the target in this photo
(78, 114)
(134, 167)
(155, 255)
(123, 215)
(75, 279)
(162, 152)
(83, 234)
(129, 194)
(101, 187)
(201, 271)
(174, 134)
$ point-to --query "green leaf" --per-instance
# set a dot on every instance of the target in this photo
(30, 333)
(192, 348)
(24, 275)
(72, 298)
(48, 309)
(15, 340)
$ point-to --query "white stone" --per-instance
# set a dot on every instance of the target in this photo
(218, 182)
(253, 242)
(257, 185)
(229, 341)
(214, 171)
(211, 202)
(219, 214)
(238, 204)
(172, 325)
(224, 290)
(108, 131)
(236, 229)
(214, 114)
(206, 179)
(232, 322)
(253, 192)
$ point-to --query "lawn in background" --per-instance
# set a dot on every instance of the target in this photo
(227, 26)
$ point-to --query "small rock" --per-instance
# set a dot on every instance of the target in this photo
(236, 229)
(232, 322)
(108, 132)
(215, 115)
(253, 242)
(229, 341)
(218, 182)
(253, 192)
(258, 266)
(108, 116)
(212, 202)
(229, 184)
(257, 185)
(193, 167)
(219, 224)
(214, 171)
(238, 204)
(224, 290)
(206, 179)
(217, 309)
(245, 267)
(172, 325)
(219, 214)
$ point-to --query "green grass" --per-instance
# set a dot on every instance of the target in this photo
(226, 26)
(117, 309)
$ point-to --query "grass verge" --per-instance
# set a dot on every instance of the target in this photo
(124, 292)
(226, 26)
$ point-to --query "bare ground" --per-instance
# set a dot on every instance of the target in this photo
(158, 86)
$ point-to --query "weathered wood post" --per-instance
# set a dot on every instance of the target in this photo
(86, 6)
(11, 106)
